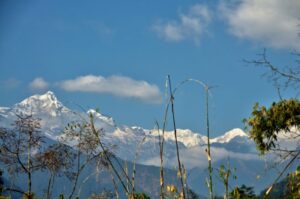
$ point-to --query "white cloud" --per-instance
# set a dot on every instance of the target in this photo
(197, 157)
(38, 84)
(190, 25)
(275, 23)
(115, 85)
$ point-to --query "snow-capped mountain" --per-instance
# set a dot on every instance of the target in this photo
(55, 116)
(37, 104)
(228, 136)
(234, 144)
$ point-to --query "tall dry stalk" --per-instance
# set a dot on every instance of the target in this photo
(185, 182)
(134, 164)
(161, 139)
(208, 145)
(161, 173)
(224, 174)
(175, 134)
(114, 183)
(207, 88)
(107, 157)
(127, 179)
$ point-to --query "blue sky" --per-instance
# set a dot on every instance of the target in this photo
(115, 55)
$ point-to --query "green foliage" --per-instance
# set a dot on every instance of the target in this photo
(225, 173)
(266, 123)
(293, 185)
(243, 192)
(140, 196)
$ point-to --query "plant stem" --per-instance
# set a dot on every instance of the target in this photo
(176, 142)
(114, 183)
(29, 165)
(108, 158)
(49, 185)
(208, 146)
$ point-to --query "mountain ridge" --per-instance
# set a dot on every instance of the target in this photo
(234, 144)
(48, 102)
(55, 116)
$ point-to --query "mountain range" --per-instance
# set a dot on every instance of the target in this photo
(233, 147)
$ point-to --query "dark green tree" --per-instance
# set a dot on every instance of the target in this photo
(140, 196)
(243, 192)
(293, 185)
(282, 118)
(266, 124)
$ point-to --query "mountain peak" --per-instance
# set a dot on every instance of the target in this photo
(41, 103)
(50, 94)
(48, 97)
(229, 136)
(107, 119)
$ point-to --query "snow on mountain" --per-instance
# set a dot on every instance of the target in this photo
(185, 136)
(228, 136)
(53, 114)
(191, 139)
(106, 119)
(191, 145)
(42, 103)
(128, 140)
(3, 111)
(48, 108)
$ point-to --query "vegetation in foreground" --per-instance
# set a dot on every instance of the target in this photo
(22, 151)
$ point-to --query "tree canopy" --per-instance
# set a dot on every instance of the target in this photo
(267, 123)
